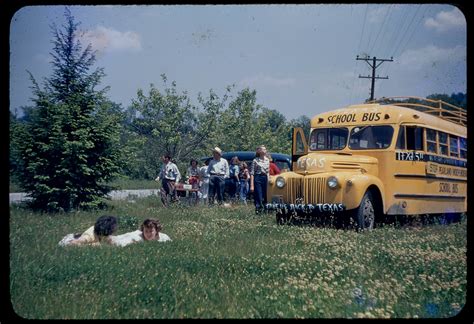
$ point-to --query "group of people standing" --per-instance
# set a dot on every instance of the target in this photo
(209, 180)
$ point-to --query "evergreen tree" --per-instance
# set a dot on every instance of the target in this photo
(70, 147)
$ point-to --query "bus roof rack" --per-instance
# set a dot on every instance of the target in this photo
(437, 108)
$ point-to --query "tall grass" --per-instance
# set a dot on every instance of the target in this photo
(230, 263)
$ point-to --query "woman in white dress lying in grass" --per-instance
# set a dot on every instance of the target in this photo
(150, 230)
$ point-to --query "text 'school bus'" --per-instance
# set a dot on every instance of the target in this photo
(387, 157)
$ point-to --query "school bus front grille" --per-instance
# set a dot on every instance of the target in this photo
(312, 190)
(294, 190)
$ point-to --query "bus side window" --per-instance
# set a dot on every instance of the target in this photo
(401, 138)
(443, 143)
(453, 146)
(414, 138)
(463, 147)
(431, 141)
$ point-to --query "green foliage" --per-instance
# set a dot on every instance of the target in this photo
(303, 122)
(17, 133)
(69, 145)
(128, 223)
(165, 122)
(245, 124)
(458, 99)
(230, 263)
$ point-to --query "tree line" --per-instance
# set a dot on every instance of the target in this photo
(73, 141)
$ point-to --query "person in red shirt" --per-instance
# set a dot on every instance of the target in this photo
(274, 169)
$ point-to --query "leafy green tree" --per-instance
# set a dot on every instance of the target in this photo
(165, 122)
(237, 124)
(304, 122)
(245, 124)
(275, 131)
(70, 146)
(459, 99)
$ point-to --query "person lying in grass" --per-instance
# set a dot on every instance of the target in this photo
(150, 230)
(101, 232)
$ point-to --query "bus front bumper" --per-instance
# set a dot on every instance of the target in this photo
(308, 209)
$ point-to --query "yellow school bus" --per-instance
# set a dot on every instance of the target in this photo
(392, 156)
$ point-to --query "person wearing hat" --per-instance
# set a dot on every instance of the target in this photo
(259, 172)
(218, 170)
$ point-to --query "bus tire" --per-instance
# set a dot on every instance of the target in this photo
(448, 218)
(365, 213)
(282, 218)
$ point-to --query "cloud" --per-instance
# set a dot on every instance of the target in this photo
(264, 80)
(107, 39)
(446, 20)
(429, 70)
(416, 59)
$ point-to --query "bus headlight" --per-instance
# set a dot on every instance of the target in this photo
(332, 182)
(280, 182)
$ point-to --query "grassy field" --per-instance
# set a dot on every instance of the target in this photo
(230, 263)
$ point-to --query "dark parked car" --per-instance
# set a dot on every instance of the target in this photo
(283, 161)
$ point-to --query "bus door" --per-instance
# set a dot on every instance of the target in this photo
(299, 145)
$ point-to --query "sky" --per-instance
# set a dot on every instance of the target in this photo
(300, 59)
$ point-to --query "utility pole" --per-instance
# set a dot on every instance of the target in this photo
(374, 65)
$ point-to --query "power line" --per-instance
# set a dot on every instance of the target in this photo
(358, 48)
(414, 29)
(363, 27)
(371, 31)
(395, 34)
(413, 18)
(381, 28)
(387, 68)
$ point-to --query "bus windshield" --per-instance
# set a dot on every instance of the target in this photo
(370, 137)
(328, 139)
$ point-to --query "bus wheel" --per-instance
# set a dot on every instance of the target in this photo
(448, 218)
(365, 214)
(282, 218)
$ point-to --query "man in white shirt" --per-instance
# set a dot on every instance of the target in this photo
(218, 170)
(169, 175)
